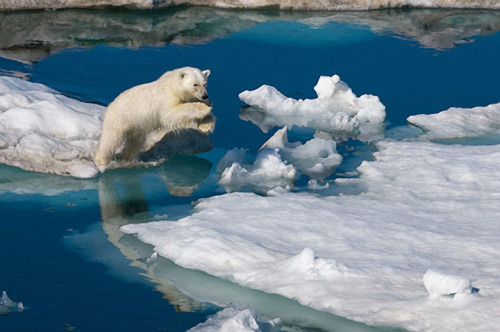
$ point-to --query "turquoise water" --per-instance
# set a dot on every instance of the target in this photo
(61, 251)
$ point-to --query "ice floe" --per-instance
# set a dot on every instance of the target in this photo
(294, 4)
(44, 131)
(266, 172)
(456, 122)
(362, 256)
(336, 110)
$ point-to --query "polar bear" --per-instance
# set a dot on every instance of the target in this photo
(140, 116)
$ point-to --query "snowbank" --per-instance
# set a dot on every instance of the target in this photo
(458, 122)
(294, 4)
(267, 171)
(44, 131)
(336, 110)
(425, 206)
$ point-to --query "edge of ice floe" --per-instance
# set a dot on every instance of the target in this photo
(293, 4)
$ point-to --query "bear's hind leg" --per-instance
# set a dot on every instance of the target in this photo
(132, 147)
(106, 149)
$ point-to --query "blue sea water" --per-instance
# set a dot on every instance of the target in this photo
(61, 252)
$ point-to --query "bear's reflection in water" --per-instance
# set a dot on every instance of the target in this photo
(123, 200)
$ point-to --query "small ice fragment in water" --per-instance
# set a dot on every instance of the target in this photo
(6, 301)
(7, 305)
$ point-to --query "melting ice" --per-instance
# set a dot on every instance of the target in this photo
(336, 110)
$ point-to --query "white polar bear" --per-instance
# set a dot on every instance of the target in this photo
(140, 116)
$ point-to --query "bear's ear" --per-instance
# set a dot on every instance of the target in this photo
(206, 73)
(182, 74)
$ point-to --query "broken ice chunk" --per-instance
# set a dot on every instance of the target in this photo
(439, 283)
(317, 158)
(267, 172)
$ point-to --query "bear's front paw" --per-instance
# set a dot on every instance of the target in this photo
(207, 124)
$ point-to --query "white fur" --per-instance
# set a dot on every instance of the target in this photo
(140, 116)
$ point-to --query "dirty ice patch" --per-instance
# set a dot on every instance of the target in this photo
(44, 131)
(317, 158)
(457, 123)
(336, 110)
(236, 318)
(363, 257)
(268, 171)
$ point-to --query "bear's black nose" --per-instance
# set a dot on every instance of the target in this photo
(205, 96)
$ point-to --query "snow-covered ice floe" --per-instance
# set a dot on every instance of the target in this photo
(364, 257)
(336, 110)
(456, 122)
(44, 131)
(293, 4)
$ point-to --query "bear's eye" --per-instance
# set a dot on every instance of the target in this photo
(196, 84)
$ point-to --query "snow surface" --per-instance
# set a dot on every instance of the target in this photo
(425, 228)
(234, 318)
(458, 122)
(336, 110)
(44, 131)
(291, 4)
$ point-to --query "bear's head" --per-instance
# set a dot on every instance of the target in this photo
(194, 84)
